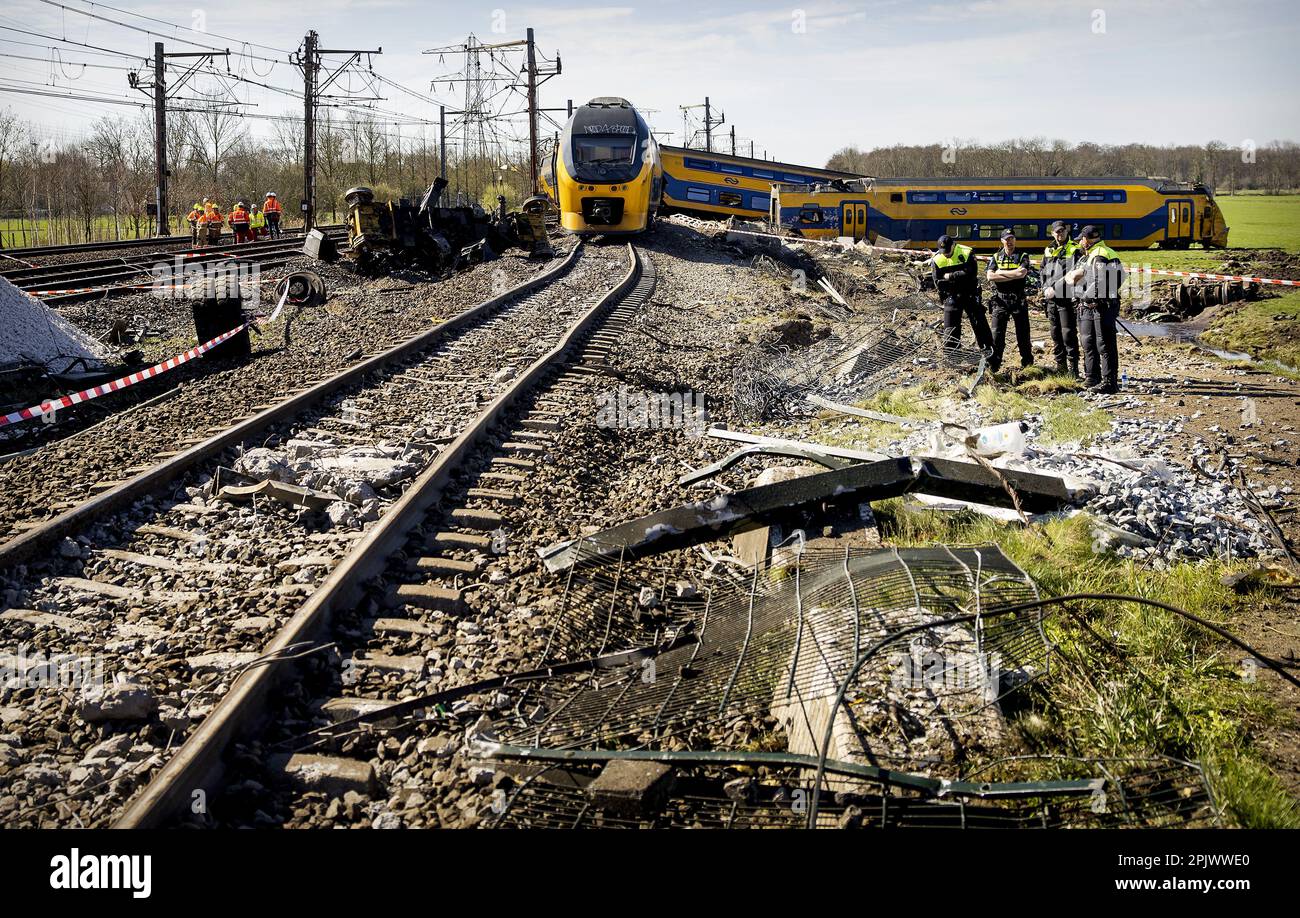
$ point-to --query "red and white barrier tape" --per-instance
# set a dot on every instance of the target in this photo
(76, 398)
(923, 253)
(117, 385)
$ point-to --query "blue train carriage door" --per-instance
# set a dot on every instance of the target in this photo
(1178, 230)
(853, 220)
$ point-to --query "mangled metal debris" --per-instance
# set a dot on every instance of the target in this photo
(703, 521)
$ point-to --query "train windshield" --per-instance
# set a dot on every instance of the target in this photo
(604, 151)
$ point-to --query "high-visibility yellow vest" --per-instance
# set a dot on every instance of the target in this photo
(959, 255)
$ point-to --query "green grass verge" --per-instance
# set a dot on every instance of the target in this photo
(1066, 418)
(1163, 686)
(1253, 327)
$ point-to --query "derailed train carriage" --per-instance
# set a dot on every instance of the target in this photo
(604, 174)
(1131, 212)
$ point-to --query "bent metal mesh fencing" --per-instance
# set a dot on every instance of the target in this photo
(834, 687)
(890, 345)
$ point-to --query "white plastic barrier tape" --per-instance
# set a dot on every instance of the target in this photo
(925, 253)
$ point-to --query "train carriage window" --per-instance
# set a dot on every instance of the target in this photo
(759, 173)
(1092, 196)
(991, 196)
(1056, 195)
(1117, 231)
(896, 197)
(924, 197)
(698, 194)
(727, 167)
(960, 230)
(810, 215)
(1025, 230)
(957, 195)
(1024, 196)
(1117, 196)
(759, 202)
(699, 164)
(729, 199)
(987, 231)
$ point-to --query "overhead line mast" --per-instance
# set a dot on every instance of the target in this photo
(159, 89)
(308, 58)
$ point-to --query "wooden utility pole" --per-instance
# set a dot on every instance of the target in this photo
(158, 88)
(309, 60)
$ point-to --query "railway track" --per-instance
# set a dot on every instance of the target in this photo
(69, 282)
(453, 514)
(155, 570)
(30, 252)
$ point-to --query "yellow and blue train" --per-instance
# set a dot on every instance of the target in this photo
(604, 174)
(1132, 213)
(720, 184)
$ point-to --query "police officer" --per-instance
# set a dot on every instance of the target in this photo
(1100, 273)
(955, 277)
(1007, 271)
(1059, 259)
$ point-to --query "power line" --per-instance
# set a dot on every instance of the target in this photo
(127, 25)
(175, 26)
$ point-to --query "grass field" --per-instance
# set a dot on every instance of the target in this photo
(1161, 686)
(1269, 329)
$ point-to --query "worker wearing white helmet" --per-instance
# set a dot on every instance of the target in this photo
(272, 210)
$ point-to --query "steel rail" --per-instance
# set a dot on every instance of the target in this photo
(129, 266)
(126, 244)
(197, 763)
(43, 537)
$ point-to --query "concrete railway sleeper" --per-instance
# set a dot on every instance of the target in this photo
(421, 556)
(169, 573)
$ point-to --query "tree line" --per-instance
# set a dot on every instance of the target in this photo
(1270, 168)
(101, 188)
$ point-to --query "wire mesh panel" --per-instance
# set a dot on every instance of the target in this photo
(894, 344)
(773, 652)
(1137, 794)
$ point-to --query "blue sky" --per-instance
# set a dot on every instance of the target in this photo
(801, 79)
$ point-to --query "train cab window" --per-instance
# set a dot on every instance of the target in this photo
(1024, 196)
(1056, 195)
(698, 194)
(1117, 196)
(924, 197)
(896, 197)
(991, 196)
(810, 215)
(960, 230)
(957, 195)
(1092, 196)
(729, 199)
(604, 149)
(1025, 230)
(1117, 231)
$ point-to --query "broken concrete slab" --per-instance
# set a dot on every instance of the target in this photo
(632, 788)
(724, 515)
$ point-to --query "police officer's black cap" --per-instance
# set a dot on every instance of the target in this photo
(1059, 224)
(1090, 232)
(1007, 233)
(945, 241)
